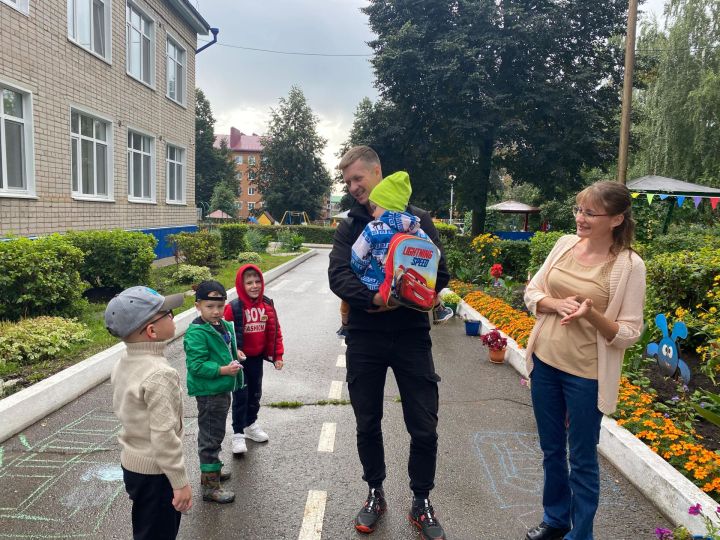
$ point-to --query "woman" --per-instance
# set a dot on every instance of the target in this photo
(588, 297)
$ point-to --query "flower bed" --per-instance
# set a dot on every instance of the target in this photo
(636, 412)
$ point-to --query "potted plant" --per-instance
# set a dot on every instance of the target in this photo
(451, 300)
(496, 271)
(496, 344)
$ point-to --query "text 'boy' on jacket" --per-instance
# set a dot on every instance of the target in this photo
(374, 241)
(205, 353)
(256, 322)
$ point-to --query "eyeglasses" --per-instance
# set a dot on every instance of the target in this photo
(577, 210)
(161, 317)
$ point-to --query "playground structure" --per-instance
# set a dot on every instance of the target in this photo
(292, 217)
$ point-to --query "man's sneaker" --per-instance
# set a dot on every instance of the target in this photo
(342, 332)
(423, 517)
(238, 443)
(256, 433)
(442, 314)
(371, 512)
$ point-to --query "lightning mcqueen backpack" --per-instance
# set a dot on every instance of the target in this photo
(411, 270)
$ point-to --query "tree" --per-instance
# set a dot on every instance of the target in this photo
(680, 110)
(291, 174)
(532, 86)
(224, 198)
(212, 165)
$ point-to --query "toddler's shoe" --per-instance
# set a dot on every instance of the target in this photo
(442, 314)
(238, 443)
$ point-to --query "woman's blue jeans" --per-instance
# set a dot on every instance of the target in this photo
(568, 419)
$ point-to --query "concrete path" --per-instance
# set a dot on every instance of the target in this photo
(60, 478)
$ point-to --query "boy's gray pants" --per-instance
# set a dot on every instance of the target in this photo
(212, 417)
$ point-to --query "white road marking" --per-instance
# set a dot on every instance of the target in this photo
(340, 360)
(336, 388)
(327, 437)
(313, 519)
(343, 343)
(279, 285)
(303, 286)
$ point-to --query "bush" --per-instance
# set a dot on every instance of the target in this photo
(232, 239)
(540, 246)
(200, 248)
(249, 257)
(257, 241)
(39, 277)
(30, 341)
(311, 233)
(515, 258)
(290, 240)
(680, 241)
(446, 231)
(187, 273)
(116, 259)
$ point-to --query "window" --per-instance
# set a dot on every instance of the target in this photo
(90, 142)
(89, 25)
(251, 175)
(16, 163)
(239, 205)
(23, 6)
(140, 39)
(251, 206)
(238, 160)
(175, 71)
(175, 157)
(251, 190)
(251, 160)
(141, 186)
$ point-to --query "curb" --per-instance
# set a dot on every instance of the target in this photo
(35, 402)
(655, 478)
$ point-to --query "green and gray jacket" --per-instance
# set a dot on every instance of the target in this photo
(205, 353)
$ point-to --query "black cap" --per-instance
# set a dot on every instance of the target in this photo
(210, 286)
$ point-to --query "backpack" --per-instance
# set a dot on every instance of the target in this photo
(411, 270)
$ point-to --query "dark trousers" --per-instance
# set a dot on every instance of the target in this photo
(567, 417)
(409, 354)
(246, 401)
(212, 415)
(153, 515)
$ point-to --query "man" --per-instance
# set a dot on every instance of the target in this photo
(377, 338)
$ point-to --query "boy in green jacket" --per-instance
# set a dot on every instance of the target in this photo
(213, 372)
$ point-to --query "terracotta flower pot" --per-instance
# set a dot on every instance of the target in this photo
(497, 356)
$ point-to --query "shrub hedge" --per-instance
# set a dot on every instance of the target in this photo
(30, 341)
(232, 239)
(187, 273)
(515, 258)
(200, 248)
(540, 246)
(39, 277)
(312, 234)
(248, 257)
(117, 259)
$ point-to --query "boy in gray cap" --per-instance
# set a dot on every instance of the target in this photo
(147, 398)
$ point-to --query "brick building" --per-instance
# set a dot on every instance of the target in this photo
(98, 115)
(247, 152)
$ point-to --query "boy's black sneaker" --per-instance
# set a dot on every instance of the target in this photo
(371, 512)
(342, 332)
(423, 517)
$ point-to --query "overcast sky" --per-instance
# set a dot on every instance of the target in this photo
(242, 84)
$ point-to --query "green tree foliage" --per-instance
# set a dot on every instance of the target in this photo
(532, 86)
(291, 174)
(224, 198)
(212, 165)
(679, 127)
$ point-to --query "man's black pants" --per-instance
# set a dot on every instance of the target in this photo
(153, 515)
(409, 354)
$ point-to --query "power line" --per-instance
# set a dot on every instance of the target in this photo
(293, 53)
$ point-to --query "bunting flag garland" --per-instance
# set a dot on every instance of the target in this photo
(650, 197)
(680, 199)
(664, 196)
(634, 195)
(714, 201)
(696, 201)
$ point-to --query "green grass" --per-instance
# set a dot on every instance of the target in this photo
(92, 315)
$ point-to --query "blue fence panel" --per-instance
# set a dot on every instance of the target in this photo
(514, 235)
(163, 249)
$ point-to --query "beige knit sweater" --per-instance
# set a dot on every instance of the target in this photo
(147, 398)
(625, 307)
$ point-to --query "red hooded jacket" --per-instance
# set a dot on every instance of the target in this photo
(258, 330)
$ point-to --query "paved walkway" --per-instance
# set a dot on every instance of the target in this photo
(60, 478)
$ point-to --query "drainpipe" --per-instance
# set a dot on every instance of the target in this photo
(214, 32)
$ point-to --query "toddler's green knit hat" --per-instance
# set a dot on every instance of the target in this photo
(393, 193)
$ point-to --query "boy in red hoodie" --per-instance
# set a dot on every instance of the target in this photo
(258, 335)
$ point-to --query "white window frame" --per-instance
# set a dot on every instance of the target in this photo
(107, 27)
(251, 206)
(132, 6)
(251, 190)
(109, 159)
(251, 160)
(175, 42)
(150, 198)
(23, 6)
(28, 160)
(239, 160)
(182, 164)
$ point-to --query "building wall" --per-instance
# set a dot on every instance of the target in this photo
(37, 55)
(243, 178)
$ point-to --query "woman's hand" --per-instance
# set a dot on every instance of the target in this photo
(567, 306)
(583, 309)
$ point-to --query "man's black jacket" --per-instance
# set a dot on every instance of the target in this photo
(345, 283)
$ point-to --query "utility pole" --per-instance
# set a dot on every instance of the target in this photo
(627, 91)
(452, 182)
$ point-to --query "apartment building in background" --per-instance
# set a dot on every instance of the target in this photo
(247, 153)
(98, 115)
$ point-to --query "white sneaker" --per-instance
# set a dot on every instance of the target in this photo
(256, 433)
(238, 443)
